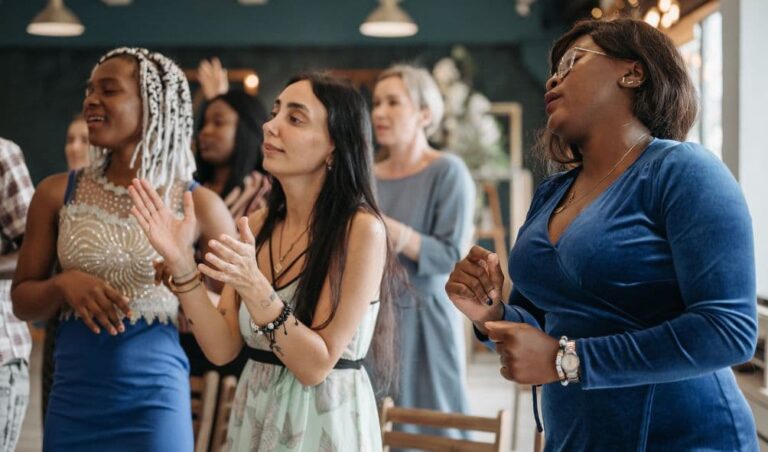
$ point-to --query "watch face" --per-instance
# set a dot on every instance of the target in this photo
(570, 362)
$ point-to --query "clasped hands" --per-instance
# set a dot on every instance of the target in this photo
(232, 261)
(527, 355)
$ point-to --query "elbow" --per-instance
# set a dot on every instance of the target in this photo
(19, 310)
(312, 377)
(744, 342)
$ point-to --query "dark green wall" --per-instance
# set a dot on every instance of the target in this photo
(41, 89)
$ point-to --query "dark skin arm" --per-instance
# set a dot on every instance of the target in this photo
(8, 265)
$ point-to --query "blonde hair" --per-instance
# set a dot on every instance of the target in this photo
(167, 124)
(422, 89)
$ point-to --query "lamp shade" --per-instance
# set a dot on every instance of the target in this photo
(55, 20)
(389, 21)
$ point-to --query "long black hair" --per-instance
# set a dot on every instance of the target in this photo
(246, 155)
(347, 190)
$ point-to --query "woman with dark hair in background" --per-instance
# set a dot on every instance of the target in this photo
(229, 157)
(634, 278)
(229, 162)
(307, 283)
(121, 380)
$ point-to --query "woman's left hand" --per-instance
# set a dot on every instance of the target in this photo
(235, 262)
(527, 354)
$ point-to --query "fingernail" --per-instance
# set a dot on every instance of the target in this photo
(493, 295)
(121, 328)
(113, 332)
(96, 330)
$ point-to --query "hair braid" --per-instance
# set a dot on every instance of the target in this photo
(167, 123)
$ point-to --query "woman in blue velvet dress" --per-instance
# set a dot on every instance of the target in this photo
(122, 380)
(634, 279)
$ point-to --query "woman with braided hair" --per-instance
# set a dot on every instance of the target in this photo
(121, 378)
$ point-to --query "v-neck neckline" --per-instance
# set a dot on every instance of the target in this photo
(598, 198)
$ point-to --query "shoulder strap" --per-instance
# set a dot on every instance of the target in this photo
(69, 193)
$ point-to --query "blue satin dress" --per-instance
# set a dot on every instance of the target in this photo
(655, 281)
(128, 392)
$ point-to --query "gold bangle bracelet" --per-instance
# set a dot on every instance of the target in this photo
(198, 283)
(185, 286)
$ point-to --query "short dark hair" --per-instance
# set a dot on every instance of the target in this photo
(666, 102)
(246, 155)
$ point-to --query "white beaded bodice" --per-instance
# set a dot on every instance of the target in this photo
(97, 235)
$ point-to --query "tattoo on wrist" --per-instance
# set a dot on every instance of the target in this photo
(266, 302)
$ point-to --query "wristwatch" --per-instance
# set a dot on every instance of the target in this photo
(567, 362)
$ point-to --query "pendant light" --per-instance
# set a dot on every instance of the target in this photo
(389, 21)
(55, 20)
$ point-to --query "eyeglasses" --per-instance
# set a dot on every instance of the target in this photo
(569, 58)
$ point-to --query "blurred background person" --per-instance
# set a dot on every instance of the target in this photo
(15, 342)
(427, 197)
(77, 149)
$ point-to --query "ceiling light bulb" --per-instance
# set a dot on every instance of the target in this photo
(389, 21)
(55, 20)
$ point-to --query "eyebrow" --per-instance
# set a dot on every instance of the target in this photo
(294, 105)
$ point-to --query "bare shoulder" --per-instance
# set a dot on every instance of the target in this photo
(367, 229)
(205, 196)
(256, 220)
(50, 191)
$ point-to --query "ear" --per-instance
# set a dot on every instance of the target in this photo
(633, 76)
(425, 117)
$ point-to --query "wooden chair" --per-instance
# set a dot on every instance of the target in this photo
(204, 390)
(390, 414)
(226, 399)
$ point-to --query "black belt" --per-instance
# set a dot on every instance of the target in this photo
(264, 356)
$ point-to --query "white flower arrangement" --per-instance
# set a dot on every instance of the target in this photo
(468, 128)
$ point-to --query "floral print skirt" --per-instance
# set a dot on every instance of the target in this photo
(273, 411)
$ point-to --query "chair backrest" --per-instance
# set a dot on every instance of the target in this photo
(226, 399)
(390, 414)
(204, 391)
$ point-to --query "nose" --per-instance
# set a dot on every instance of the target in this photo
(90, 100)
(206, 129)
(552, 82)
(269, 127)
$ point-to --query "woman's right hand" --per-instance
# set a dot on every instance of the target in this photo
(92, 298)
(171, 237)
(475, 286)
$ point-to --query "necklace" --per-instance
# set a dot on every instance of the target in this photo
(281, 257)
(570, 200)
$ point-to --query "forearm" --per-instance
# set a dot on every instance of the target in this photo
(8, 265)
(37, 300)
(688, 346)
(406, 240)
(303, 351)
(215, 329)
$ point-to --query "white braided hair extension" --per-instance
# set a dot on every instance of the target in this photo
(167, 123)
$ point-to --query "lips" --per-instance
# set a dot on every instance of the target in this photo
(549, 99)
(268, 148)
(94, 119)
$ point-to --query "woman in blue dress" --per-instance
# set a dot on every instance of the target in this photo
(121, 380)
(634, 279)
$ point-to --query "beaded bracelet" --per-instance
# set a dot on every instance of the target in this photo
(269, 329)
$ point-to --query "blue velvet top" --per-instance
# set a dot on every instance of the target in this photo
(655, 280)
